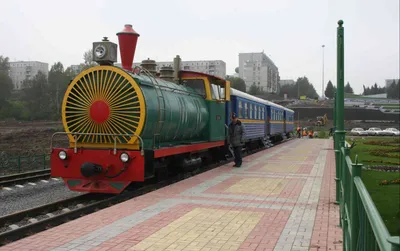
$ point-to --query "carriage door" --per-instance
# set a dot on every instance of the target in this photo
(284, 121)
(267, 114)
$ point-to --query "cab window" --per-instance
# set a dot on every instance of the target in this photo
(197, 85)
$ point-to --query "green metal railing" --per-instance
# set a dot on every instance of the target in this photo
(20, 164)
(363, 227)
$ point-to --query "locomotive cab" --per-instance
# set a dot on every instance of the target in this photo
(216, 92)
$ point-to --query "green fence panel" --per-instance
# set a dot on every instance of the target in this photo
(20, 164)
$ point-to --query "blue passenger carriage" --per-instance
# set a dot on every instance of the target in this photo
(263, 120)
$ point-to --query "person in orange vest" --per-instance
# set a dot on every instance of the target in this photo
(304, 132)
(298, 132)
(310, 134)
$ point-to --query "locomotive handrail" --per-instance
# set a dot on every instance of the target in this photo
(74, 134)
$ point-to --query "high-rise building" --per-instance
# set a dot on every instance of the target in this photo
(212, 67)
(21, 70)
(258, 69)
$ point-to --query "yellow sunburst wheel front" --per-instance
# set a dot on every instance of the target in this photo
(104, 100)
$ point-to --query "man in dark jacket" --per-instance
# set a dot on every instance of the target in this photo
(236, 139)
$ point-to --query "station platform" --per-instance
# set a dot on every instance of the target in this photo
(280, 199)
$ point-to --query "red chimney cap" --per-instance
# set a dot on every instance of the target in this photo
(128, 30)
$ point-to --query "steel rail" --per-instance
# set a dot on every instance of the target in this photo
(24, 177)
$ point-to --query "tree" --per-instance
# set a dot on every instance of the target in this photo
(58, 83)
(375, 89)
(393, 90)
(36, 96)
(88, 60)
(6, 84)
(305, 88)
(237, 70)
(237, 83)
(302, 87)
(348, 89)
(329, 91)
(254, 90)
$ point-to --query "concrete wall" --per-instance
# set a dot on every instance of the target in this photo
(349, 114)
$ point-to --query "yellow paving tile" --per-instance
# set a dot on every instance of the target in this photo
(203, 229)
(291, 157)
(260, 186)
(281, 168)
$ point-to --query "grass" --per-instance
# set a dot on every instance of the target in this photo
(323, 134)
(386, 198)
(363, 149)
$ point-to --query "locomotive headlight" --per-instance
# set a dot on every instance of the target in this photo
(62, 155)
(124, 157)
(100, 51)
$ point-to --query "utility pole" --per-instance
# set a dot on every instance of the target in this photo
(323, 70)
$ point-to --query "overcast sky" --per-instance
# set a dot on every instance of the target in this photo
(291, 32)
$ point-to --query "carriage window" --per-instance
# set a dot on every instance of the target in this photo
(240, 109)
(257, 112)
(251, 111)
(197, 85)
(262, 113)
(246, 111)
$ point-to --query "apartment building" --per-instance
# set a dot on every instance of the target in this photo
(212, 67)
(21, 70)
(257, 68)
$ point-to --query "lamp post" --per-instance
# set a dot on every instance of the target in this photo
(323, 70)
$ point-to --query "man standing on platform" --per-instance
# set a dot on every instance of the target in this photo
(236, 139)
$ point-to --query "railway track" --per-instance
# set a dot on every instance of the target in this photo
(21, 224)
(21, 178)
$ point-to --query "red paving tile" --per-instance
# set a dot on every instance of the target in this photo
(327, 234)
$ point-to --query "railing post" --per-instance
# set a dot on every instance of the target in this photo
(339, 100)
(354, 220)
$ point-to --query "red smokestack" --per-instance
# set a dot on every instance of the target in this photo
(127, 39)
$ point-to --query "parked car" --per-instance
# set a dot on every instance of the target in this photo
(358, 132)
(374, 131)
(391, 132)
